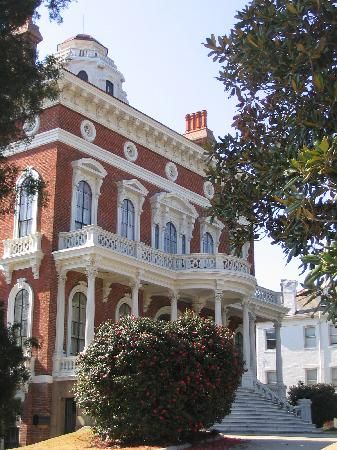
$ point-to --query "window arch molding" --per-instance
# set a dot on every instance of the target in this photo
(126, 300)
(213, 228)
(79, 288)
(20, 285)
(29, 172)
(168, 207)
(135, 192)
(164, 310)
(93, 173)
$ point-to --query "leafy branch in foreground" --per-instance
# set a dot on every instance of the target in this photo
(279, 169)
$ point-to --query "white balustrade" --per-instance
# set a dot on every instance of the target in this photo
(22, 246)
(65, 366)
(264, 391)
(267, 296)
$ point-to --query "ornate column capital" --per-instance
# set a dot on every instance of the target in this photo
(173, 295)
(218, 295)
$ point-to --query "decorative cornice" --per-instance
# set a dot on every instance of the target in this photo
(94, 151)
(122, 118)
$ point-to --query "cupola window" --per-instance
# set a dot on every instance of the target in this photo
(83, 75)
(109, 88)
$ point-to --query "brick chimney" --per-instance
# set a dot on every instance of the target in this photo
(196, 128)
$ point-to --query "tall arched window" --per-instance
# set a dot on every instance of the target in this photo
(83, 75)
(109, 88)
(83, 205)
(78, 307)
(170, 238)
(207, 243)
(124, 310)
(21, 310)
(128, 219)
(183, 244)
(25, 214)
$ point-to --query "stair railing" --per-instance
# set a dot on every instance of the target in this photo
(282, 403)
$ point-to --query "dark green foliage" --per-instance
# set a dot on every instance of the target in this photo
(323, 397)
(146, 380)
(13, 374)
(25, 82)
(279, 170)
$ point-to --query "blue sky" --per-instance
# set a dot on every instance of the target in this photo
(157, 45)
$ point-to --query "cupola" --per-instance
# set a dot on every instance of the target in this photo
(87, 58)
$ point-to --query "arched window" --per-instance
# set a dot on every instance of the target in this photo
(25, 213)
(124, 310)
(170, 238)
(21, 311)
(78, 307)
(238, 341)
(128, 219)
(83, 75)
(207, 243)
(183, 244)
(83, 205)
(156, 236)
(109, 88)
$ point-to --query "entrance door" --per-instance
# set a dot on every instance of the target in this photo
(69, 415)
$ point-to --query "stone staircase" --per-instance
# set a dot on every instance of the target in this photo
(254, 414)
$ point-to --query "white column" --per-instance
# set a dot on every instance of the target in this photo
(224, 316)
(135, 301)
(252, 335)
(174, 297)
(279, 374)
(90, 309)
(59, 340)
(217, 307)
(246, 338)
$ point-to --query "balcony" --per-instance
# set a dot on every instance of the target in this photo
(65, 366)
(95, 236)
(21, 253)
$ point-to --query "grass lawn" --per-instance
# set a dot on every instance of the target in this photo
(84, 439)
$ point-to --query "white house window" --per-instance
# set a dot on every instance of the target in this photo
(21, 311)
(168, 208)
(270, 339)
(332, 335)
(83, 205)
(88, 176)
(78, 307)
(170, 238)
(26, 205)
(183, 244)
(128, 220)
(310, 376)
(210, 232)
(334, 376)
(156, 236)
(310, 337)
(271, 377)
(123, 307)
(130, 198)
(82, 74)
(207, 243)
(109, 88)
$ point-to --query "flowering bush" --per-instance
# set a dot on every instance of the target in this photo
(144, 380)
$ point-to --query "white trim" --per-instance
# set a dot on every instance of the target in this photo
(29, 172)
(21, 284)
(169, 207)
(126, 299)
(88, 130)
(208, 189)
(214, 228)
(165, 310)
(81, 287)
(93, 173)
(31, 127)
(108, 157)
(134, 191)
(130, 151)
(171, 171)
(42, 379)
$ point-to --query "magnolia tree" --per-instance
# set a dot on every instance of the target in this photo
(145, 380)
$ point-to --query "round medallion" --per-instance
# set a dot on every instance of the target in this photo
(208, 190)
(88, 130)
(171, 171)
(31, 126)
(130, 151)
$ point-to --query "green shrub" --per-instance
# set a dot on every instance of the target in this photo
(144, 380)
(323, 397)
